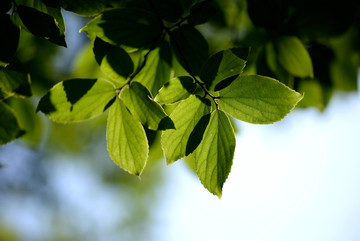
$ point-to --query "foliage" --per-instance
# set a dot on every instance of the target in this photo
(162, 71)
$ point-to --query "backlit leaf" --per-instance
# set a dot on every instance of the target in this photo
(114, 61)
(126, 139)
(223, 65)
(176, 89)
(9, 125)
(294, 57)
(214, 155)
(77, 100)
(186, 116)
(139, 101)
(258, 99)
(157, 70)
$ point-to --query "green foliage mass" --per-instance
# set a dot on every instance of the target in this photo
(181, 69)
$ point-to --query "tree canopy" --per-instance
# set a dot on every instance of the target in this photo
(174, 72)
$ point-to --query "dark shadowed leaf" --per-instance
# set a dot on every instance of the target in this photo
(185, 117)
(258, 99)
(85, 7)
(190, 47)
(14, 83)
(5, 6)
(132, 27)
(126, 139)
(77, 100)
(9, 39)
(176, 89)
(139, 101)
(114, 61)
(201, 12)
(223, 65)
(9, 125)
(214, 156)
(169, 10)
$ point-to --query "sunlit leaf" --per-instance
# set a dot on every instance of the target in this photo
(258, 99)
(219, 68)
(126, 139)
(186, 117)
(114, 61)
(133, 27)
(313, 94)
(9, 40)
(9, 126)
(214, 155)
(139, 101)
(77, 100)
(156, 71)
(14, 83)
(294, 57)
(176, 89)
(190, 47)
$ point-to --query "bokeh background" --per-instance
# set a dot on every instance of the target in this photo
(293, 180)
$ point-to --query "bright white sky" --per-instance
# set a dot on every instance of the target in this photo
(295, 180)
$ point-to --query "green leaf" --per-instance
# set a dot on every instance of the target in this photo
(313, 94)
(76, 100)
(132, 27)
(14, 83)
(186, 116)
(9, 125)
(126, 139)
(201, 12)
(213, 157)
(157, 69)
(176, 89)
(114, 61)
(138, 100)
(222, 67)
(258, 99)
(84, 7)
(190, 47)
(294, 57)
(9, 41)
(42, 24)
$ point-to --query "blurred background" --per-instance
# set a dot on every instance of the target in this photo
(293, 180)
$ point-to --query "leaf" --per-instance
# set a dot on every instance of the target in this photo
(84, 7)
(157, 69)
(138, 100)
(126, 139)
(201, 12)
(223, 65)
(185, 117)
(77, 100)
(190, 47)
(15, 83)
(8, 44)
(294, 57)
(213, 157)
(41, 24)
(313, 94)
(9, 125)
(258, 99)
(114, 61)
(132, 27)
(176, 89)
